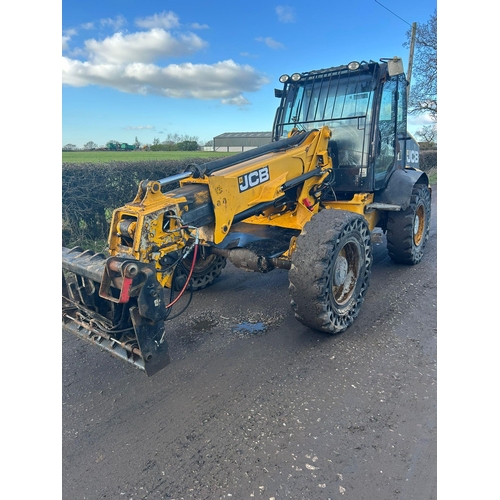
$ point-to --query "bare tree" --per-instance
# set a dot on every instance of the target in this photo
(90, 145)
(175, 138)
(423, 90)
(428, 136)
(172, 138)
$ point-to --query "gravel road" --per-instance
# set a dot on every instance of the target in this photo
(256, 405)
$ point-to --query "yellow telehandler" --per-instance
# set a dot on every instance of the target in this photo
(341, 164)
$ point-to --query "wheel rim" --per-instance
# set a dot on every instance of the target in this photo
(201, 265)
(419, 225)
(346, 273)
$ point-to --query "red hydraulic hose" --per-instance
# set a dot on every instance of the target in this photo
(195, 252)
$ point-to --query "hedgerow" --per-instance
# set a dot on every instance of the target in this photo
(428, 159)
(91, 191)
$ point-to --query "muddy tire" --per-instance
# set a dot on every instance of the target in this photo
(330, 271)
(207, 269)
(408, 231)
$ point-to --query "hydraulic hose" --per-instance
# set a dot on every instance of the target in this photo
(195, 253)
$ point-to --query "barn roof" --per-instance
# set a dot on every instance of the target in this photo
(235, 135)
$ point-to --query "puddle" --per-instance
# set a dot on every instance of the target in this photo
(247, 327)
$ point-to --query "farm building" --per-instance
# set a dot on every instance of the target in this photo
(240, 141)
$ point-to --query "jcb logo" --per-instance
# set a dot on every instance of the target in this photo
(253, 179)
(411, 156)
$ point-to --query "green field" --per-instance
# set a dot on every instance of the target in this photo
(135, 156)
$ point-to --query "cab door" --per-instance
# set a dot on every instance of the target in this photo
(391, 125)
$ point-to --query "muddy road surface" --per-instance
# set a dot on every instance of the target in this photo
(256, 405)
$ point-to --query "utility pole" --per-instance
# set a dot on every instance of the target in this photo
(412, 46)
(410, 60)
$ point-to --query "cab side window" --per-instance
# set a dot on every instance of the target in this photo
(391, 128)
(386, 152)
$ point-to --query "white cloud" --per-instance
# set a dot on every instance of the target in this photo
(65, 40)
(128, 62)
(418, 122)
(140, 127)
(115, 23)
(80, 74)
(236, 101)
(166, 20)
(285, 13)
(67, 37)
(225, 80)
(144, 46)
(270, 42)
(198, 26)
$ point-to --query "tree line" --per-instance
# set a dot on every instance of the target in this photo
(173, 142)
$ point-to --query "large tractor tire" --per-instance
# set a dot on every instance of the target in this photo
(330, 271)
(207, 269)
(408, 231)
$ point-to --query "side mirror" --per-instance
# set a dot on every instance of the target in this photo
(395, 66)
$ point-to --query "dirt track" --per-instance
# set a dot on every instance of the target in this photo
(255, 405)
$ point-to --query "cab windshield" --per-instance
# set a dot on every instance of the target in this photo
(340, 100)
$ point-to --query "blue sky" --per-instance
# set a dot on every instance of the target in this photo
(149, 69)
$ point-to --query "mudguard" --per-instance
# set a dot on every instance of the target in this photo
(399, 188)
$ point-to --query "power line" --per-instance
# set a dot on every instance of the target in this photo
(393, 13)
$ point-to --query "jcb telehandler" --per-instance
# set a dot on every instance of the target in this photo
(341, 163)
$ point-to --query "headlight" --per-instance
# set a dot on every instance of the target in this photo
(296, 77)
(354, 65)
(284, 78)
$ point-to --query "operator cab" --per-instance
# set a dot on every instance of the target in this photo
(364, 104)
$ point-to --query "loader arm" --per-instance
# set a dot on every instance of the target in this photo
(275, 185)
(258, 185)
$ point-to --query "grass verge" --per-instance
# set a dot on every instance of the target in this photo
(136, 156)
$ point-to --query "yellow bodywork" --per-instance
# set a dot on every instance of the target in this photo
(229, 200)
(152, 225)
